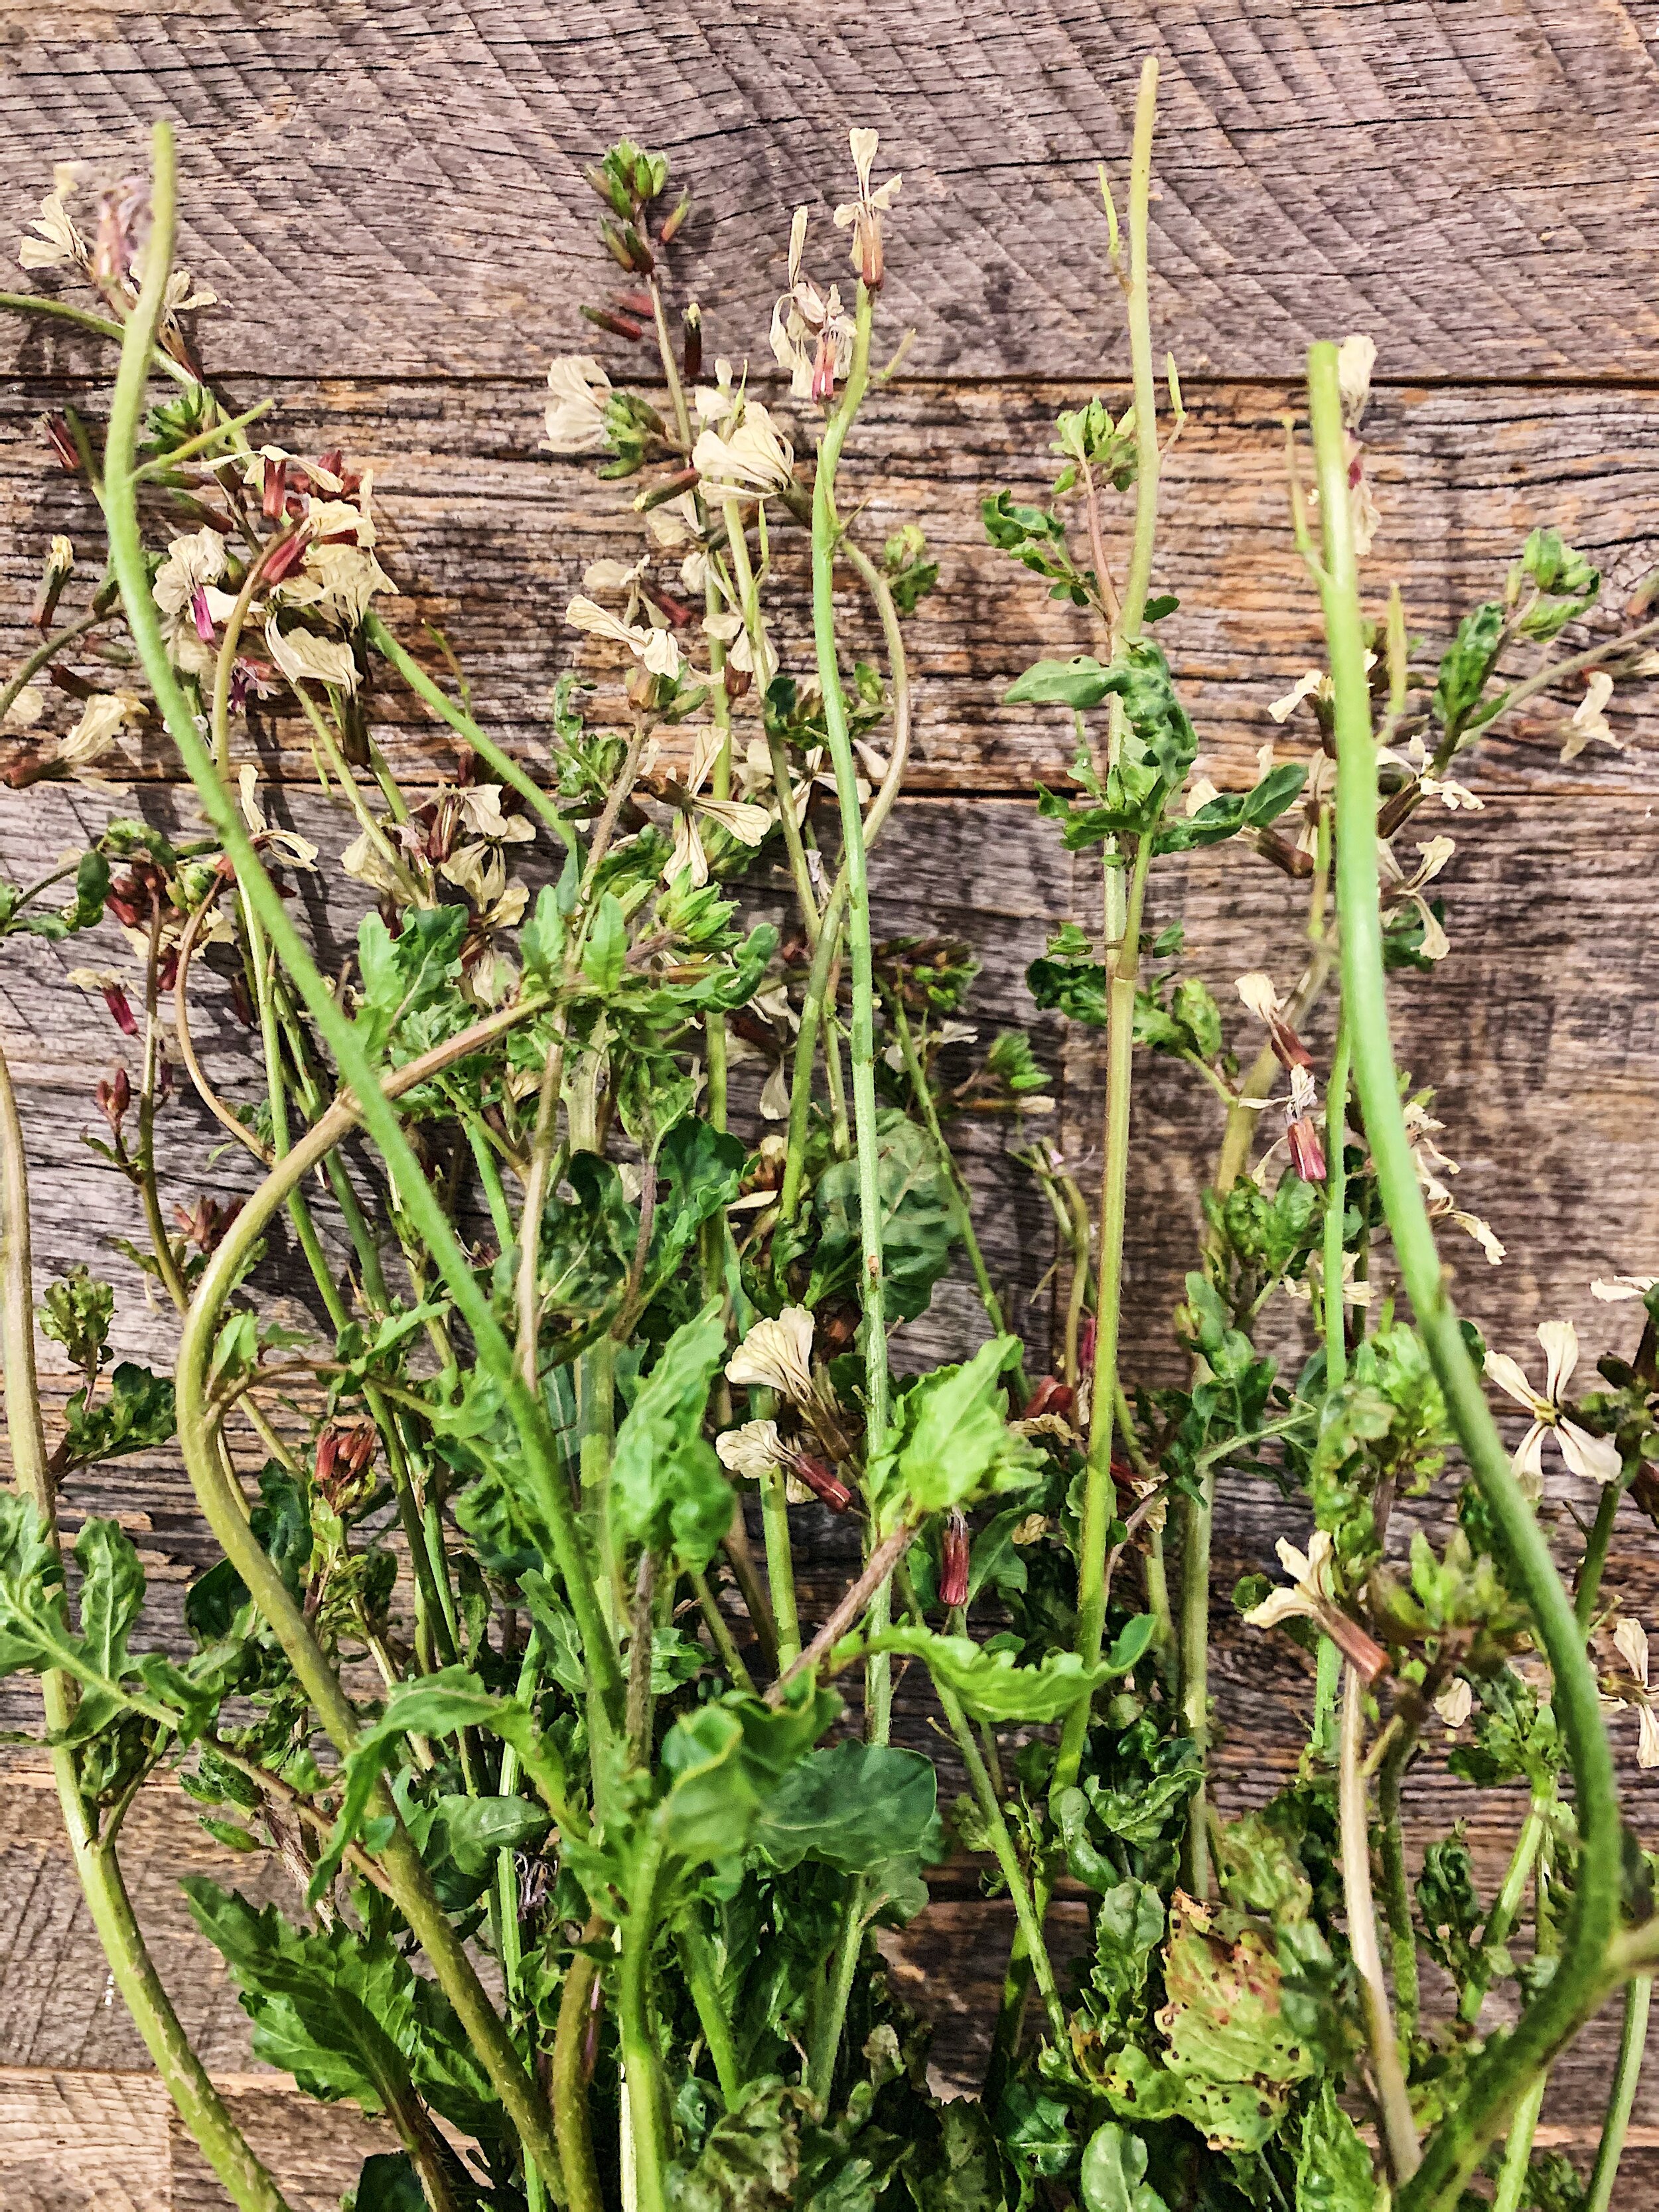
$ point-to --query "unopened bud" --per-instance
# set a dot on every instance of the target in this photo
(671, 228)
(639, 251)
(345, 1455)
(692, 326)
(620, 326)
(1307, 1152)
(617, 246)
(59, 568)
(63, 444)
(825, 1485)
(275, 490)
(202, 614)
(120, 1008)
(953, 1560)
(670, 488)
(114, 1099)
(1051, 1395)
(276, 563)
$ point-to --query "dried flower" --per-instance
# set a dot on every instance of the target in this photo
(58, 242)
(813, 335)
(305, 658)
(777, 1355)
(752, 1452)
(1596, 1457)
(113, 991)
(113, 1099)
(1302, 1129)
(1256, 990)
(57, 569)
(954, 1559)
(1408, 889)
(863, 216)
(285, 845)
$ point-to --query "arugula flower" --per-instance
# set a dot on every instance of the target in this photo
(862, 215)
(1631, 1640)
(1595, 1456)
(777, 1355)
(577, 412)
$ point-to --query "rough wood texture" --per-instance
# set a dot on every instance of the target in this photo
(405, 179)
(491, 539)
(389, 197)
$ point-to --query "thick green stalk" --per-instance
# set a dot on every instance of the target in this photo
(185, 2078)
(1140, 577)
(1518, 2153)
(1396, 1890)
(1100, 1494)
(640, 2063)
(1502, 2077)
(1336, 1206)
(569, 2082)
(1633, 2042)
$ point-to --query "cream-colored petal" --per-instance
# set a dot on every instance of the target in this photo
(1597, 1458)
(1631, 1640)
(1528, 1462)
(1508, 1376)
(1561, 1341)
(1647, 1740)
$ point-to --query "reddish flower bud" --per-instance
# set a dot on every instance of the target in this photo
(620, 326)
(275, 503)
(822, 1481)
(823, 367)
(63, 444)
(114, 1099)
(282, 557)
(121, 1007)
(953, 1560)
(203, 619)
(671, 228)
(345, 1455)
(1307, 1153)
(1051, 1395)
(241, 1002)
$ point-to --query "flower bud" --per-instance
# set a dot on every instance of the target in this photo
(276, 563)
(1307, 1152)
(275, 503)
(692, 326)
(954, 1560)
(825, 1485)
(59, 568)
(345, 1455)
(63, 444)
(114, 1099)
(620, 326)
(120, 1008)
(670, 229)
(1051, 1395)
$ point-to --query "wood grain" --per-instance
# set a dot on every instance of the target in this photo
(397, 188)
(489, 540)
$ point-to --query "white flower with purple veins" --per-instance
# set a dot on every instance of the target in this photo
(739, 817)
(305, 658)
(1596, 1457)
(752, 1452)
(777, 1355)
(1405, 891)
(1414, 757)
(656, 650)
(284, 845)
(1631, 1639)
(576, 414)
(186, 591)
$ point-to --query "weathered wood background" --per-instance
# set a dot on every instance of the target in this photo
(388, 197)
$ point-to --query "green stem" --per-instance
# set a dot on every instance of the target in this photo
(1507, 1905)
(499, 763)
(639, 2046)
(569, 2085)
(697, 1958)
(1517, 2154)
(199, 2104)
(98, 613)
(1100, 1494)
(1502, 2075)
(1388, 2076)
(1591, 1567)
(1396, 1891)
(1336, 1206)
(1140, 577)
(779, 1565)
(1633, 2042)
(64, 311)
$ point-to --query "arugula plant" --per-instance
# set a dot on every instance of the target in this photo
(590, 1832)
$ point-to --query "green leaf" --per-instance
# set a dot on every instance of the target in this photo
(724, 1762)
(604, 955)
(541, 940)
(408, 975)
(991, 1684)
(112, 1594)
(1081, 682)
(918, 1221)
(851, 1805)
(1333, 2171)
(699, 1172)
(950, 1443)
(668, 1490)
(1230, 2043)
(1466, 664)
(137, 1415)
(76, 1314)
(343, 2012)
(388, 2183)
(1113, 2174)
(751, 2158)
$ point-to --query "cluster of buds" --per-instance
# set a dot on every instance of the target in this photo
(345, 1453)
(204, 1223)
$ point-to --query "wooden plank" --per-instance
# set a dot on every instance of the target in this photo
(489, 539)
(83, 2142)
(399, 188)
